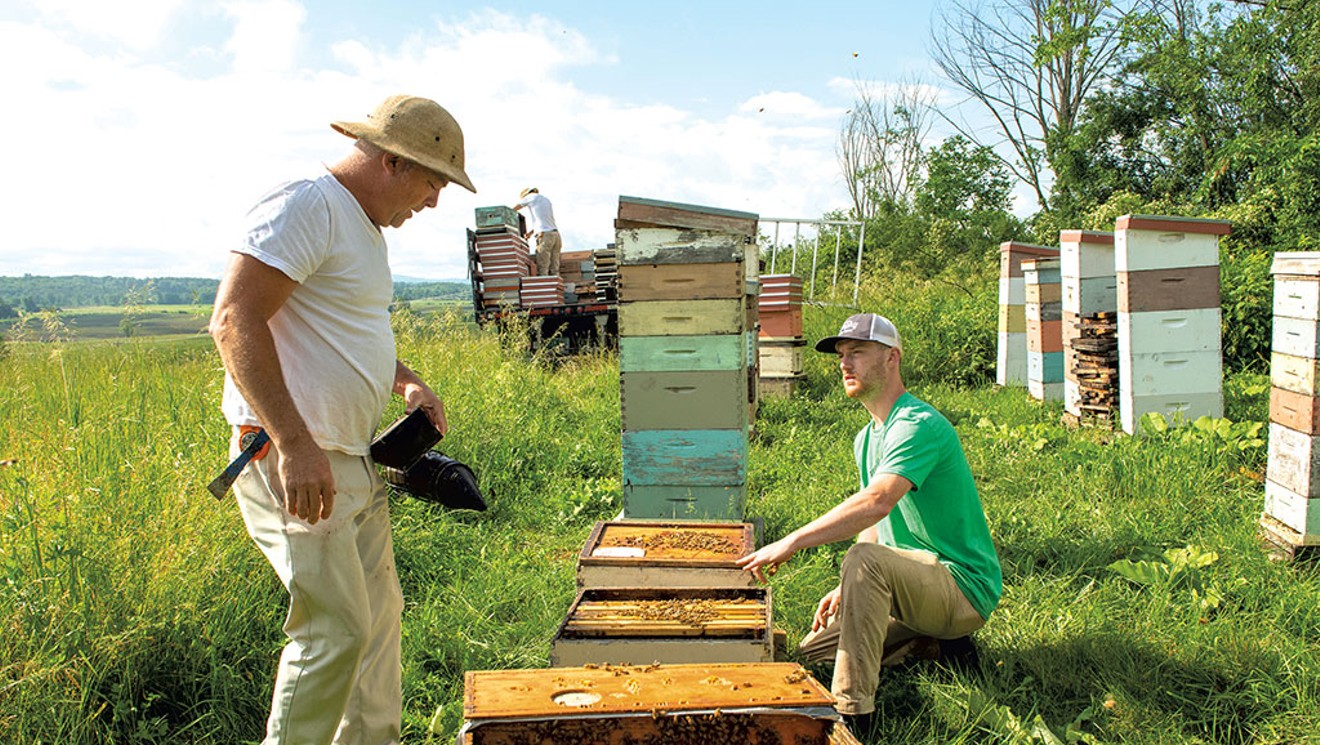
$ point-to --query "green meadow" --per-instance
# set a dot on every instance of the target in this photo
(1140, 605)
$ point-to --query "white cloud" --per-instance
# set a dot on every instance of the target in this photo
(137, 168)
(265, 36)
(789, 103)
(138, 27)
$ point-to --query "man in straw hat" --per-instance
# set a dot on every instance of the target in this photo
(302, 323)
(541, 223)
(923, 564)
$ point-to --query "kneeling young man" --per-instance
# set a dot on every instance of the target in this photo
(924, 563)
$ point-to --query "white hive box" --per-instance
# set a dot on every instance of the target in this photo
(1143, 242)
(1297, 297)
(1298, 337)
(1298, 374)
(1294, 460)
(1170, 373)
(1298, 512)
(1171, 331)
(1090, 294)
(1184, 407)
(1086, 253)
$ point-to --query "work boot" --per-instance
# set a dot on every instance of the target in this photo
(859, 724)
(960, 654)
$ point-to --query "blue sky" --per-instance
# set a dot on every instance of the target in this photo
(145, 135)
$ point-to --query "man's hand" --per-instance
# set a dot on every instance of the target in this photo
(829, 605)
(306, 481)
(418, 395)
(765, 562)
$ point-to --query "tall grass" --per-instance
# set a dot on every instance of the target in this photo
(136, 610)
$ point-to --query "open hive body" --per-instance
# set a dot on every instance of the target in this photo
(635, 553)
(673, 704)
(669, 625)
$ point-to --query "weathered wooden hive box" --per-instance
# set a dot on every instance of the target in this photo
(636, 553)
(1292, 486)
(622, 626)
(733, 704)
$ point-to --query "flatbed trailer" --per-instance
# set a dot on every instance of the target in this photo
(569, 327)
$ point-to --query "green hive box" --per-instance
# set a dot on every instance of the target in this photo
(715, 399)
(496, 217)
(678, 353)
(644, 501)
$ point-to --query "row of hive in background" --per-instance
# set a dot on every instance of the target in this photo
(1138, 311)
(1153, 283)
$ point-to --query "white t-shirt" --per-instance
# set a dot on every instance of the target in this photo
(541, 215)
(333, 335)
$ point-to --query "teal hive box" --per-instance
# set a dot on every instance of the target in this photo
(496, 217)
(645, 501)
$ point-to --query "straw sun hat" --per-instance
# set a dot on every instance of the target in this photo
(418, 129)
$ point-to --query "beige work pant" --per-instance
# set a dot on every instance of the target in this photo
(887, 596)
(339, 677)
(547, 253)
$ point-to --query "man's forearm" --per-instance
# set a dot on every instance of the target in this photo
(248, 351)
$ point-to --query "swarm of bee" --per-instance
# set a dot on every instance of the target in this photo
(685, 611)
(685, 540)
(669, 729)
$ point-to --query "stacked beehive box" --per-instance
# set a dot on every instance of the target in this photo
(1292, 486)
(1043, 309)
(502, 257)
(1012, 362)
(780, 340)
(684, 358)
(1170, 360)
(1090, 308)
(606, 264)
(578, 269)
(538, 292)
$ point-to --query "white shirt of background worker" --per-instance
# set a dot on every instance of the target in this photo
(541, 222)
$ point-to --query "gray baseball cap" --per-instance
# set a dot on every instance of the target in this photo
(863, 327)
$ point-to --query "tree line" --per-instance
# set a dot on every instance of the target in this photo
(1099, 108)
(32, 294)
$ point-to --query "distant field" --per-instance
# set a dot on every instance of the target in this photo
(105, 321)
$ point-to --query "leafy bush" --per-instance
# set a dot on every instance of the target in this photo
(1246, 296)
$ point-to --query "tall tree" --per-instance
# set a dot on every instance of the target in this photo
(1029, 65)
(880, 144)
(1216, 111)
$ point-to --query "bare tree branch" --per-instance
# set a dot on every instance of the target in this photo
(1030, 65)
(880, 143)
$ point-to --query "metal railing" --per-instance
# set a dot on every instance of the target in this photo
(816, 228)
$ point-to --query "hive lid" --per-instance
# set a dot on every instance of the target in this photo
(625, 689)
(639, 212)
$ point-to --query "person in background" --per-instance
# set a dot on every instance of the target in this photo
(302, 324)
(923, 563)
(541, 223)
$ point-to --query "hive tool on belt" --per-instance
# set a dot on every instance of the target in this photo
(254, 441)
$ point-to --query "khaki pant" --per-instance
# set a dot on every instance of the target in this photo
(547, 253)
(339, 677)
(887, 596)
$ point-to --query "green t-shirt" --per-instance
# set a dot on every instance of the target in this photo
(942, 514)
